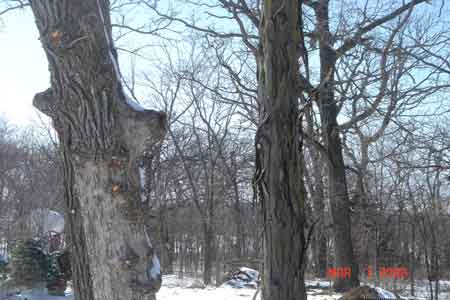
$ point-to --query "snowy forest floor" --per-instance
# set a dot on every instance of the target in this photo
(183, 289)
(190, 288)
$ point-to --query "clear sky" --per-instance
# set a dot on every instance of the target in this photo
(23, 67)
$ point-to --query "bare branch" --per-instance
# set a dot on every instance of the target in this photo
(357, 37)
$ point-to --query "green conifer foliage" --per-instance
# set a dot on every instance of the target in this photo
(56, 282)
(29, 263)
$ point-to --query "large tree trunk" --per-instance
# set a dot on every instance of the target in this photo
(104, 141)
(337, 182)
(278, 173)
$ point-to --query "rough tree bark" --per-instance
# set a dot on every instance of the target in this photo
(320, 238)
(240, 239)
(209, 251)
(317, 190)
(105, 141)
(278, 173)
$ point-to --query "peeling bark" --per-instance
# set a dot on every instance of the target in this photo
(104, 142)
(278, 175)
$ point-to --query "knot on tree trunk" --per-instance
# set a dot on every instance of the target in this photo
(45, 102)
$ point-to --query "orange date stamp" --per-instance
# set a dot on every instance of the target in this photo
(383, 273)
(339, 273)
(390, 273)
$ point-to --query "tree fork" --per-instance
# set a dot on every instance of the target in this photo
(105, 141)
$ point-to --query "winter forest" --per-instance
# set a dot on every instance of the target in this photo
(224, 149)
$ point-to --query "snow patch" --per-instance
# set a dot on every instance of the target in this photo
(243, 278)
(142, 179)
(44, 220)
(155, 269)
(174, 288)
(252, 273)
(384, 294)
(54, 222)
(133, 104)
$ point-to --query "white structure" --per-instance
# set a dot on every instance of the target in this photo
(44, 221)
(3, 250)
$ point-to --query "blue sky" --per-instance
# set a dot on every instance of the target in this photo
(23, 67)
(24, 70)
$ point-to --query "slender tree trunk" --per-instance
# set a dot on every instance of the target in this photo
(278, 173)
(238, 218)
(208, 253)
(104, 141)
(337, 182)
(218, 264)
(321, 238)
(232, 171)
(319, 208)
(317, 188)
(412, 257)
(436, 289)
(182, 256)
(196, 257)
(166, 244)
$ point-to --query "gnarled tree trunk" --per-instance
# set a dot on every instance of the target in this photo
(105, 142)
(278, 152)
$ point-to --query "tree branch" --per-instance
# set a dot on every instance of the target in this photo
(357, 37)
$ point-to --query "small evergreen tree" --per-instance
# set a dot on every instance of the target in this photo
(56, 283)
(29, 263)
(4, 269)
(64, 264)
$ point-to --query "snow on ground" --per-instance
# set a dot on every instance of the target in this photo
(178, 289)
(318, 283)
(421, 288)
(41, 294)
(422, 291)
(188, 288)
(382, 293)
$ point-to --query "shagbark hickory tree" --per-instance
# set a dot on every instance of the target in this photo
(278, 173)
(107, 146)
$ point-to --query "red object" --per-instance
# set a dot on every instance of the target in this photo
(339, 272)
(369, 272)
(394, 273)
(55, 241)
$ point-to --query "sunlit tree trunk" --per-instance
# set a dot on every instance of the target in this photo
(104, 140)
(278, 152)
